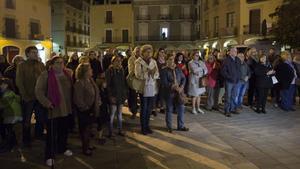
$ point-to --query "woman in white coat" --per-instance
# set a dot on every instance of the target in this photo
(197, 70)
(146, 72)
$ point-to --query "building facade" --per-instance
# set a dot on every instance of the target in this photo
(25, 23)
(112, 22)
(71, 25)
(232, 22)
(165, 23)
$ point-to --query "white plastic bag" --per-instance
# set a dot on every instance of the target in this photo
(149, 88)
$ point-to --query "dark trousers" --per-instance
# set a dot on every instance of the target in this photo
(287, 97)
(40, 115)
(9, 139)
(57, 135)
(251, 92)
(275, 93)
(262, 94)
(132, 101)
(147, 106)
(85, 121)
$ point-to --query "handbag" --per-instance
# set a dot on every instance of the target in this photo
(180, 97)
(203, 81)
(134, 83)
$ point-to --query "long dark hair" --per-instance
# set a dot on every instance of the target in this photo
(177, 58)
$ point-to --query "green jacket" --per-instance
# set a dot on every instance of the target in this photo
(10, 103)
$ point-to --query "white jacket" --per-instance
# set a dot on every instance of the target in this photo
(141, 72)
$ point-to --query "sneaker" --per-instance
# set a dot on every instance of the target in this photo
(194, 112)
(200, 111)
(68, 153)
(50, 162)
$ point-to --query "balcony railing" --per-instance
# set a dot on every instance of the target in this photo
(184, 16)
(163, 16)
(15, 35)
(117, 40)
(171, 38)
(229, 31)
(36, 37)
(143, 17)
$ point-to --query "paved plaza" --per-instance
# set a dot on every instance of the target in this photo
(245, 141)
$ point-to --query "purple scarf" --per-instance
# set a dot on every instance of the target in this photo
(53, 88)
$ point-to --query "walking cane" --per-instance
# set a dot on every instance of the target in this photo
(52, 137)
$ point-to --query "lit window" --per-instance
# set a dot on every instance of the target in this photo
(164, 33)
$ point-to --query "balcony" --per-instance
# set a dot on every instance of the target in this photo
(229, 31)
(171, 38)
(183, 16)
(117, 40)
(164, 17)
(143, 17)
(15, 35)
(254, 1)
(36, 37)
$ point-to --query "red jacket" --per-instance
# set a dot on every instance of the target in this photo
(212, 73)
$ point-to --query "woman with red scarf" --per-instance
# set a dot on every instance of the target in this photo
(181, 64)
(54, 91)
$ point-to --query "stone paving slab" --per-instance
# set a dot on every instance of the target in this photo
(245, 141)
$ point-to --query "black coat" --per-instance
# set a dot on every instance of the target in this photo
(285, 75)
(116, 84)
(96, 67)
(262, 80)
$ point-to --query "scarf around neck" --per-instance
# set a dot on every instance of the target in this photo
(53, 87)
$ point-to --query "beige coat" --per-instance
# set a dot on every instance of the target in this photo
(65, 89)
(141, 73)
(86, 95)
(26, 77)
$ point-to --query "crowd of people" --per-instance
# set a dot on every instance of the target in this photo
(93, 88)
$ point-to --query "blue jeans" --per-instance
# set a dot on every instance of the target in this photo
(180, 112)
(147, 106)
(241, 90)
(287, 97)
(115, 109)
(40, 116)
(230, 95)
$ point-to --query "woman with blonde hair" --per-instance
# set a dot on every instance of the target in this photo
(286, 75)
(146, 71)
(133, 95)
(87, 101)
(198, 70)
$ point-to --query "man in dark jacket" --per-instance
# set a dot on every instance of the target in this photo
(231, 73)
(95, 65)
(286, 75)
